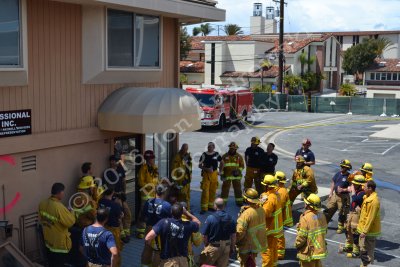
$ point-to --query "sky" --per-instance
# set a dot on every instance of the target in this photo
(320, 15)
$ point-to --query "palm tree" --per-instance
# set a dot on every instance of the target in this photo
(382, 44)
(196, 31)
(303, 58)
(265, 65)
(232, 29)
(204, 29)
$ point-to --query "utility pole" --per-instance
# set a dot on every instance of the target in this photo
(282, 4)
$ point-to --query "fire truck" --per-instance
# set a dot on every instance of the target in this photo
(223, 105)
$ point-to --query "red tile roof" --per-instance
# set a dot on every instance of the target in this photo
(191, 66)
(273, 72)
(390, 65)
(291, 45)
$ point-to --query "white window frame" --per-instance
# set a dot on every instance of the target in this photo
(134, 44)
(18, 75)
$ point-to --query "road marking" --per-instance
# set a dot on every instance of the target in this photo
(294, 232)
(390, 148)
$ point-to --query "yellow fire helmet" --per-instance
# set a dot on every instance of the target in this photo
(359, 179)
(86, 182)
(299, 158)
(270, 181)
(313, 201)
(367, 167)
(100, 191)
(255, 140)
(281, 177)
(251, 195)
(233, 145)
(346, 163)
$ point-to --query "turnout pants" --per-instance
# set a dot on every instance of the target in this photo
(244, 258)
(338, 202)
(253, 174)
(209, 186)
(270, 257)
(126, 221)
(237, 187)
(367, 246)
(294, 192)
(352, 237)
(281, 246)
(315, 263)
(116, 231)
(216, 254)
(184, 195)
(150, 255)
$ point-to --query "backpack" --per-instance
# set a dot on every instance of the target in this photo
(93, 245)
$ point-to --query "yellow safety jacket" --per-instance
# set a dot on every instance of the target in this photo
(305, 177)
(251, 234)
(286, 207)
(181, 171)
(56, 219)
(232, 163)
(370, 218)
(273, 212)
(85, 212)
(310, 241)
(148, 180)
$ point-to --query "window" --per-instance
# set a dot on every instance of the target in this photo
(356, 39)
(133, 39)
(372, 76)
(10, 40)
(388, 76)
(383, 76)
(395, 76)
(378, 76)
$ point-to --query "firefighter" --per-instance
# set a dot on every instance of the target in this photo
(182, 174)
(251, 233)
(311, 231)
(88, 178)
(209, 161)
(231, 167)
(83, 204)
(126, 220)
(306, 153)
(303, 180)
(367, 171)
(339, 195)
(352, 246)
(253, 157)
(55, 219)
(271, 204)
(369, 225)
(286, 211)
(147, 180)
(195, 239)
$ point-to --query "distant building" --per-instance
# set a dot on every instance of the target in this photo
(383, 79)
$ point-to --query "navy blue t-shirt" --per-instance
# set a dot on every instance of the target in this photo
(340, 180)
(269, 163)
(113, 180)
(307, 154)
(175, 236)
(115, 211)
(357, 200)
(219, 226)
(254, 156)
(105, 242)
(156, 209)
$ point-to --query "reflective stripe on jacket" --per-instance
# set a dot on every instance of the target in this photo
(251, 235)
(147, 179)
(56, 219)
(232, 163)
(370, 218)
(286, 207)
(305, 177)
(273, 212)
(310, 239)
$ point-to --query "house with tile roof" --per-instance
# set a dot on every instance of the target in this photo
(383, 79)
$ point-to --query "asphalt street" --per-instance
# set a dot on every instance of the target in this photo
(334, 137)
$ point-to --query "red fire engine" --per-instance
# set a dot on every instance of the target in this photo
(224, 105)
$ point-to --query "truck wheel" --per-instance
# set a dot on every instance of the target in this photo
(222, 122)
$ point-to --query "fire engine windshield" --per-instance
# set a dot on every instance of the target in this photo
(205, 99)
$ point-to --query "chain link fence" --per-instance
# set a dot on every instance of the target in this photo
(342, 104)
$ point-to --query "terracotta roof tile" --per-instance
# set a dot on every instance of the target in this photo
(191, 66)
(390, 65)
(270, 73)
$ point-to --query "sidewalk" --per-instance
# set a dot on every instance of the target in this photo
(132, 252)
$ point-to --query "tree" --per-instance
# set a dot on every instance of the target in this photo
(257, 88)
(265, 65)
(185, 43)
(232, 29)
(381, 45)
(292, 82)
(196, 31)
(303, 58)
(347, 89)
(360, 57)
(204, 29)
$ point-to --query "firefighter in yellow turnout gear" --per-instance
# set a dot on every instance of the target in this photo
(181, 173)
(253, 157)
(311, 231)
(147, 180)
(251, 234)
(209, 161)
(83, 204)
(231, 167)
(367, 171)
(286, 212)
(303, 180)
(271, 204)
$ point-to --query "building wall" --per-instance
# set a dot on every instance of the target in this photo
(64, 111)
(383, 93)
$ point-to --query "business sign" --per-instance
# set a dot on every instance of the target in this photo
(15, 122)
